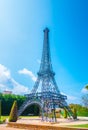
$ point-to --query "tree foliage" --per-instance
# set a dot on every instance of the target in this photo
(32, 110)
(13, 113)
(86, 87)
(65, 113)
(81, 110)
(7, 101)
(75, 113)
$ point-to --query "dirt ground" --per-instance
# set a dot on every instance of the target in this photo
(60, 122)
(4, 127)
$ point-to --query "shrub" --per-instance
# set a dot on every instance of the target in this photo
(75, 113)
(2, 121)
(13, 113)
(65, 113)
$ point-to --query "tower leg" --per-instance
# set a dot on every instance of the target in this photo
(54, 112)
(43, 112)
(55, 116)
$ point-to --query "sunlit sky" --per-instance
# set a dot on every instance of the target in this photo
(21, 40)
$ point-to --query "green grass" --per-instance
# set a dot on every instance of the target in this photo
(1, 122)
(79, 126)
(28, 116)
(3, 119)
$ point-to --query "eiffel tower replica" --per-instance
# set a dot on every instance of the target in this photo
(47, 96)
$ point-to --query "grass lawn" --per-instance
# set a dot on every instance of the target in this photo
(28, 117)
(5, 117)
(79, 126)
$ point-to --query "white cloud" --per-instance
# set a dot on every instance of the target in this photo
(69, 97)
(4, 73)
(18, 88)
(84, 90)
(8, 83)
(2, 85)
(28, 72)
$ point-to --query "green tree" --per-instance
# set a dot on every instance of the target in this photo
(13, 113)
(81, 110)
(86, 87)
(65, 113)
(75, 113)
(7, 101)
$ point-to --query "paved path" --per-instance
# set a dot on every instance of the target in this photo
(4, 127)
(61, 122)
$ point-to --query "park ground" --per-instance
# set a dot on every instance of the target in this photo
(37, 121)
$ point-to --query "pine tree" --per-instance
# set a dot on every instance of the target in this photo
(13, 113)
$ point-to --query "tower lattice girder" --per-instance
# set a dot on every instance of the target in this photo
(49, 94)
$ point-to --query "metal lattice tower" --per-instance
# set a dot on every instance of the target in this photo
(49, 98)
(46, 74)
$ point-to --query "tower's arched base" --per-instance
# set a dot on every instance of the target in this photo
(47, 103)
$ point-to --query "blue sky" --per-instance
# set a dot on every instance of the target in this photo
(21, 39)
